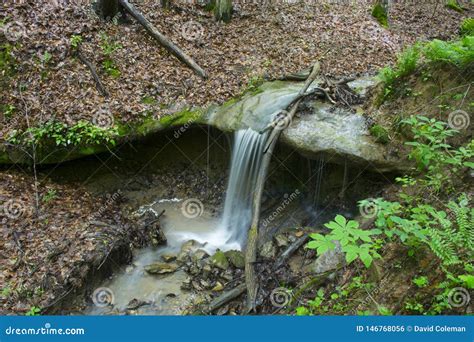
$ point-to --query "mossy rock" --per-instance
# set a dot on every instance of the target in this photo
(219, 260)
(236, 258)
(380, 134)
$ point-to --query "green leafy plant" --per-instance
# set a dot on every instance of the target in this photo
(355, 242)
(421, 281)
(50, 195)
(109, 47)
(454, 5)
(253, 85)
(433, 154)
(34, 311)
(61, 134)
(8, 110)
(8, 64)
(75, 41)
(380, 13)
(5, 292)
(467, 27)
(459, 53)
(406, 64)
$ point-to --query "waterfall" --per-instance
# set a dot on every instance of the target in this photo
(319, 178)
(246, 160)
(231, 231)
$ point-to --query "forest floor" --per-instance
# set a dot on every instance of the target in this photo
(261, 42)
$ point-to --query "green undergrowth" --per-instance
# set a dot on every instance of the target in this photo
(454, 5)
(431, 213)
(458, 53)
(467, 27)
(380, 14)
(55, 133)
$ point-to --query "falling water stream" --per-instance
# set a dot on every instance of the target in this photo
(246, 160)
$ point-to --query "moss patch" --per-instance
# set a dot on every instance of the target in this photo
(380, 134)
(379, 13)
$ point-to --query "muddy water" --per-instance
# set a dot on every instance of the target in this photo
(162, 294)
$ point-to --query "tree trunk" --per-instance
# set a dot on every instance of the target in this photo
(108, 8)
(251, 280)
(223, 10)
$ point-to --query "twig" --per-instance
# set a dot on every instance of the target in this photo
(33, 154)
(100, 87)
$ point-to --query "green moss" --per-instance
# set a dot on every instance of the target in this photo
(467, 27)
(379, 13)
(380, 134)
(453, 4)
(220, 260)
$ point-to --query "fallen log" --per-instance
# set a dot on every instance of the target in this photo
(251, 280)
(162, 39)
(226, 297)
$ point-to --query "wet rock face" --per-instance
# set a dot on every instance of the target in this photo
(319, 128)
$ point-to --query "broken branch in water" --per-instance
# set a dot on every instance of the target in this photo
(162, 39)
(226, 297)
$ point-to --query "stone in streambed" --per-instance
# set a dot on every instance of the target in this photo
(236, 258)
(329, 260)
(220, 260)
(199, 255)
(281, 240)
(218, 287)
(268, 250)
(168, 257)
(161, 268)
